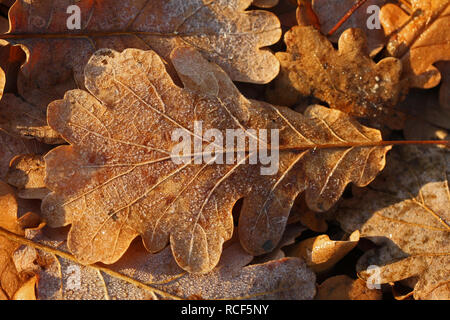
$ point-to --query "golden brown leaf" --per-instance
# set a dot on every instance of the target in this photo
(419, 40)
(27, 290)
(118, 181)
(346, 79)
(345, 288)
(138, 273)
(406, 212)
(222, 30)
(10, 279)
(321, 253)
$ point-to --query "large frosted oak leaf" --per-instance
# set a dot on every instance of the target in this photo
(222, 30)
(117, 179)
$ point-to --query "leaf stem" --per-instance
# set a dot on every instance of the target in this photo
(346, 16)
(367, 144)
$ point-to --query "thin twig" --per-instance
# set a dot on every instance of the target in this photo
(346, 16)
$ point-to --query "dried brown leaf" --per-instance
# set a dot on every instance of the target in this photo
(347, 79)
(116, 182)
(10, 209)
(419, 40)
(138, 273)
(406, 212)
(222, 30)
(321, 253)
(345, 288)
(27, 290)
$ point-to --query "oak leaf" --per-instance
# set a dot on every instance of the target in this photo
(419, 40)
(27, 290)
(222, 30)
(329, 12)
(347, 79)
(321, 253)
(11, 280)
(345, 288)
(117, 179)
(138, 273)
(406, 212)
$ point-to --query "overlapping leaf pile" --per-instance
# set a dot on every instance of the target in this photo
(93, 205)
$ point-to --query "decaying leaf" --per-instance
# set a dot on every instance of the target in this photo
(10, 279)
(406, 212)
(419, 40)
(329, 12)
(345, 288)
(117, 179)
(346, 79)
(138, 273)
(27, 173)
(222, 30)
(321, 253)
(11, 146)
